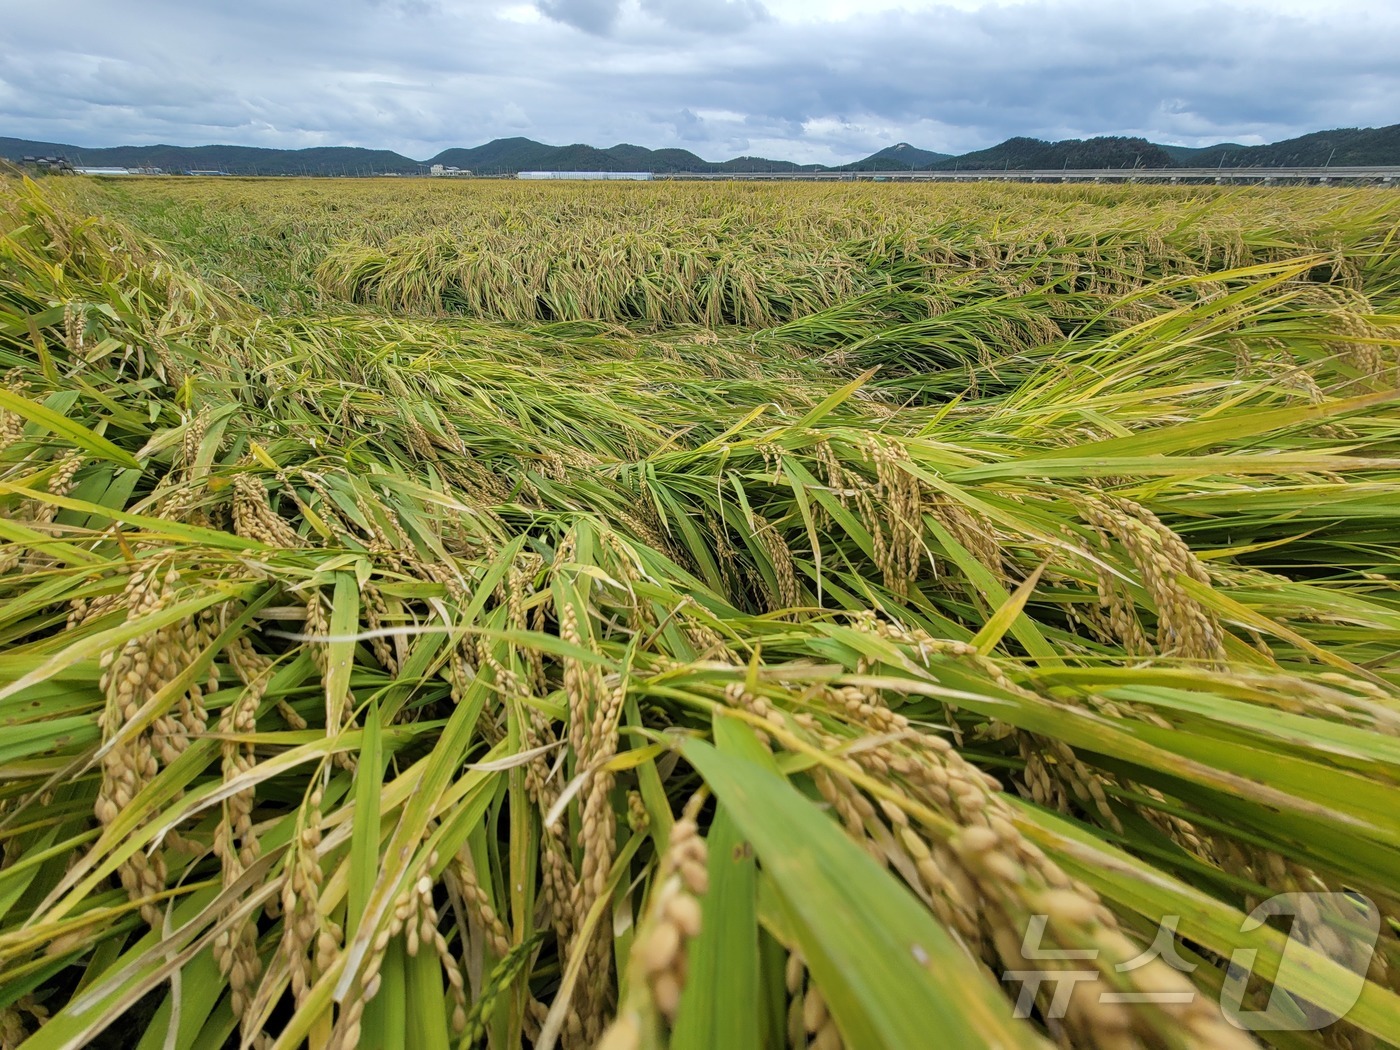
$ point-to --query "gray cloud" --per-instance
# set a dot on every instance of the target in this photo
(689, 127)
(421, 75)
(707, 16)
(592, 16)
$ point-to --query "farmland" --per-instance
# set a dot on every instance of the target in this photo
(685, 616)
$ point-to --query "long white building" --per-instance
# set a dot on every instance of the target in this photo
(624, 176)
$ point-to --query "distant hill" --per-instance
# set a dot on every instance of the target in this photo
(507, 156)
(1204, 156)
(899, 157)
(499, 157)
(1023, 153)
(236, 160)
(1341, 147)
(503, 156)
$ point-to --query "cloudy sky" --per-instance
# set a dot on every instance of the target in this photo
(823, 81)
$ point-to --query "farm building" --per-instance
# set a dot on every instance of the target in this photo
(628, 176)
(50, 164)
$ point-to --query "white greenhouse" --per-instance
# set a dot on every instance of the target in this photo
(626, 176)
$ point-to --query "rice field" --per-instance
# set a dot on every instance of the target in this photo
(495, 615)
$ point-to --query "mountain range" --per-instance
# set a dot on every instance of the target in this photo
(1341, 147)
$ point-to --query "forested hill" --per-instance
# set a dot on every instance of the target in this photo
(1341, 147)
(899, 157)
(236, 160)
(507, 156)
(500, 157)
(1023, 153)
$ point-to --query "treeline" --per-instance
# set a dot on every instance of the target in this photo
(1340, 147)
(1027, 153)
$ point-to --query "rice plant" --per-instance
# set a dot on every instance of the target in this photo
(746, 648)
